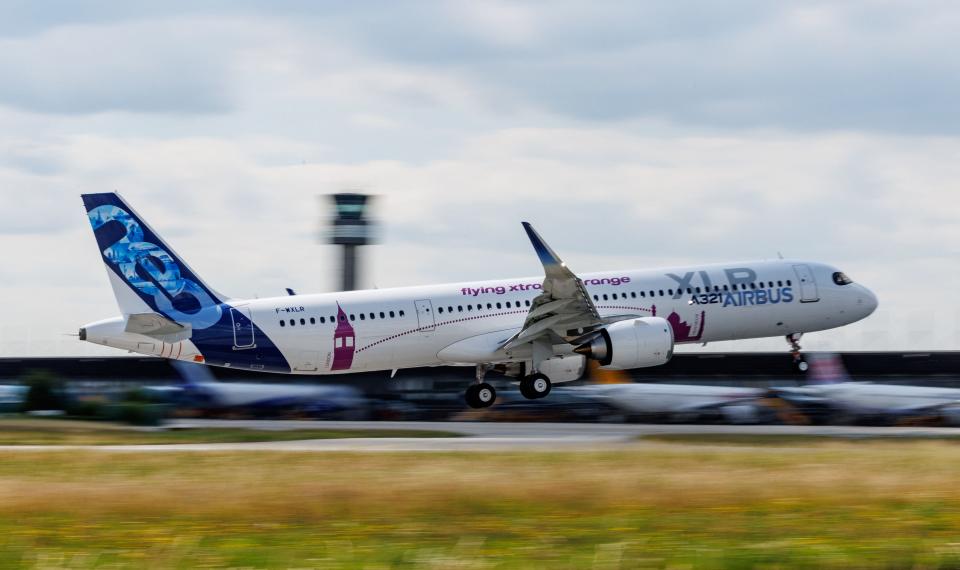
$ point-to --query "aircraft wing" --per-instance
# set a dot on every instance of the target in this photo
(564, 306)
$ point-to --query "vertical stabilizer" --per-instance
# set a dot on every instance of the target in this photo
(826, 368)
(145, 272)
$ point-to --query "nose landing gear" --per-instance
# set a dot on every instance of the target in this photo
(799, 363)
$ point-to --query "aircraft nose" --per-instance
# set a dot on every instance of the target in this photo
(867, 301)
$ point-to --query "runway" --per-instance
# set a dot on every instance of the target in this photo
(486, 437)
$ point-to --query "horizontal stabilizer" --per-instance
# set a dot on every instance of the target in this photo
(152, 324)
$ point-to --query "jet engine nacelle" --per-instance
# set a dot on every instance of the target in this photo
(637, 343)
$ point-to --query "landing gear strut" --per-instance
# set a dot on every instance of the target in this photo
(799, 363)
(535, 386)
(481, 394)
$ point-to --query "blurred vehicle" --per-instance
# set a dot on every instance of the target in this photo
(831, 392)
(12, 397)
(201, 391)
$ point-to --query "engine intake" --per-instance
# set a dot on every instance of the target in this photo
(637, 343)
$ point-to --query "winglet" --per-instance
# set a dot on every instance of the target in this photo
(547, 256)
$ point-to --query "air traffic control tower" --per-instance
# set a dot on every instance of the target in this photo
(350, 228)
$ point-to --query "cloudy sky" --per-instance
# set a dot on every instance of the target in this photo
(632, 134)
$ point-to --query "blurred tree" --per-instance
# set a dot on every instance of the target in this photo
(45, 391)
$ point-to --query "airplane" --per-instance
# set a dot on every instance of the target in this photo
(673, 402)
(201, 390)
(527, 328)
(681, 402)
(830, 388)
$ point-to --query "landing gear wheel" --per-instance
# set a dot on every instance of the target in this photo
(480, 395)
(535, 386)
(802, 365)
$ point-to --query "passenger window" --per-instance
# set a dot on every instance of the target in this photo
(362, 318)
(449, 309)
(614, 296)
(671, 292)
(469, 307)
(697, 290)
(661, 292)
(391, 314)
(528, 302)
(283, 323)
(633, 294)
(725, 288)
(596, 297)
(382, 316)
(459, 308)
(789, 283)
(401, 313)
(313, 321)
(508, 304)
(489, 305)
(293, 323)
(352, 317)
(643, 294)
(605, 297)
(440, 310)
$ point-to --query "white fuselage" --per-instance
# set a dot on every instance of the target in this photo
(461, 323)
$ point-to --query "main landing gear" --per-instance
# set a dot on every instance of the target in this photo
(535, 386)
(799, 363)
(481, 394)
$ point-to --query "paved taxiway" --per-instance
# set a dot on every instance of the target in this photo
(488, 436)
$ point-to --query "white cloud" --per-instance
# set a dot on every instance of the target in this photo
(223, 125)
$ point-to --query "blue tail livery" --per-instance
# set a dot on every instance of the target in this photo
(150, 281)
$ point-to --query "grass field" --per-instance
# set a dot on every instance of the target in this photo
(31, 431)
(835, 505)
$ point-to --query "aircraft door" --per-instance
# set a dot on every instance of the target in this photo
(242, 328)
(807, 284)
(425, 320)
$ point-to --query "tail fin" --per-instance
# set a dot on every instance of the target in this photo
(826, 368)
(146, 274)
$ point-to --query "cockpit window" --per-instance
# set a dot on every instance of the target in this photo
(840, 278)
